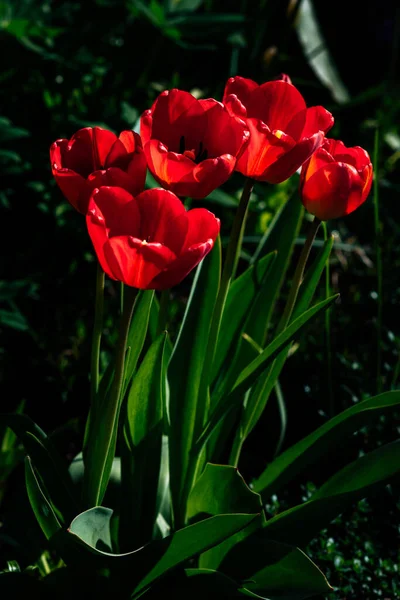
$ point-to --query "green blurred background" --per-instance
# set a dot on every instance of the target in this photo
(67, 65)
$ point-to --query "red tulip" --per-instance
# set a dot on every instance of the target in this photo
(151, 241)
(191, 145)
(94, 157)
(283, 131)
(335, 180)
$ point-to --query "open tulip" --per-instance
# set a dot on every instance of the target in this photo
(283, 131)
(335, 180)
(151, 241)
(94, 157)
(191, 145)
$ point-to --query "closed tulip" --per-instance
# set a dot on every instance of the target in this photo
(335, 180)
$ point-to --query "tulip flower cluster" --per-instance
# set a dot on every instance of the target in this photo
(148, 496)
(266, 132)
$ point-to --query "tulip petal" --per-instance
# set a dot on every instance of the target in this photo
(135, 262)
(264, 149)
(202, 225)
(161, 219)
(119, 210)
(103, 142)
(240, 88)
(182, 266)
(167, 167)
(288, 164)
(317, 119)
(276, 103)
(74, 187)
(209, 175)
(76, 154)
(115, 177)
(333, 191)
(175, 115)
(356, 156)
(98, 233)
(131, 140)
(224, 133)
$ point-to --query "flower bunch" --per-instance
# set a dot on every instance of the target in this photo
(168, 411)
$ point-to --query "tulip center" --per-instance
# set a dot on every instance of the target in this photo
(201, 155)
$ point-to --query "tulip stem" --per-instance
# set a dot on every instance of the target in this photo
(242, 434)
(97, 331)
(378, 252)
(230, 264)
(331, 399)
(298, 276)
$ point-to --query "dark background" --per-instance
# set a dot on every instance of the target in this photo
(67, 65)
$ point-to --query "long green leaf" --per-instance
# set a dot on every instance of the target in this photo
(318, 443)
(51, 468)
(42, 508)
(362, 477)
(137, 333)
(274, 570)
(280, 237)
(240, 297)
(250, 374)
(143, 436)
(185, 372)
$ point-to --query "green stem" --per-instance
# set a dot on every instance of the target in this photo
(298, 276)
(97, 331)
(378, 251)
(230, 264)
(283, 323)
(328, 339)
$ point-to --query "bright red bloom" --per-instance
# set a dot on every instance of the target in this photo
(94, 157)
(151, 241)
(191, 145)
(283, 131)
(335, 180)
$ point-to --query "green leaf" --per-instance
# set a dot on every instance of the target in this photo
(186, 368)
(137, 333)
(318, 443)
(280, 237)
(41, 506)
(93, 528)
(249, 375)
(142, 458)
(191, 541)
(241, 295)
(274, 570)
(364, 476)
(89, 532)
(222, 490)
(198, 584)
(51, 468)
